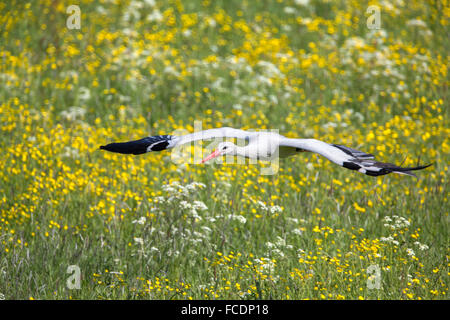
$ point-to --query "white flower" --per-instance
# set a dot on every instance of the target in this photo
(416, 23)
(84, 93)
(388, 239)
(211, 22)
(267, 266)
(280, 242)
(196, 185)
(275, 209)
(270, 69)
(261, 204)
(244, 295)
(195, 215)
(292, 220)
(270, 245)
(200, 205)
(171, 70)
(140, 221)
(173, 253)
(354, 42)
(271, 209)
(155, 16)
(301, 2)
(71, 152)
(206, 229)
(397, 222)
(73, 112)
(263, 80)
(187, 33)
(185, 205)
(277, 252)
(239, 218)
(289, 10)
(139, 241)
(217, 84)
(150, 3)
(421, 246)
(410, 252)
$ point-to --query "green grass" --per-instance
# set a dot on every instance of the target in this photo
(311, 231)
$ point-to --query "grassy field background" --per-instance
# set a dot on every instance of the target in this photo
(145, 227)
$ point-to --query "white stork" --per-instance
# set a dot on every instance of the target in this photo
(264, 146)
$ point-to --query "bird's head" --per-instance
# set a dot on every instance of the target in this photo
(223, 148)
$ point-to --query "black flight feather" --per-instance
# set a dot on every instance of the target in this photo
(148, 144)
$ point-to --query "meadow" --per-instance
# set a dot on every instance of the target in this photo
(148, 227)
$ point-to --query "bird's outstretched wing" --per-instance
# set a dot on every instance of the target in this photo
(163, 142)
(147, 144)
(349, 158)
(225, 132)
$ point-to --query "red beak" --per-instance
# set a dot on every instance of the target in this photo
(212, 156)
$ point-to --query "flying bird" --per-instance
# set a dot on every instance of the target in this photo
(264, 145)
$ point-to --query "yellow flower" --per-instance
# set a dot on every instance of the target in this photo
(358, 208)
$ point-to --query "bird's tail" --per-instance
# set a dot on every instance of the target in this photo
(375, 168)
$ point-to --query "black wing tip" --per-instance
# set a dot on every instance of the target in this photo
(382, 168)
(141, 146)
(125, 148)
(407, 171)
(417, 168)
(427, 165)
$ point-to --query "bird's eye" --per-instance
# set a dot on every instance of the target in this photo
(224, 147)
